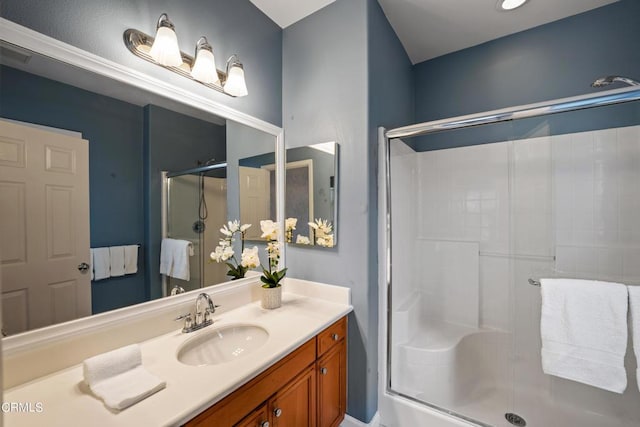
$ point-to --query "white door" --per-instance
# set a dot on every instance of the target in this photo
(44, 227)
(255, 199)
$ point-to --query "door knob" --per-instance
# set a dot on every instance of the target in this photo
(324, 371)
(335, 337)
(277, 412)
(265, 424)
(84, 267)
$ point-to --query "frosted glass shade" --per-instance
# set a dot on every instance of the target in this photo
(204, 69)
(235, 84)
(165, 50)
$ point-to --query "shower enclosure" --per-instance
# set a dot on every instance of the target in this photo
(478, 205)
(195, 207)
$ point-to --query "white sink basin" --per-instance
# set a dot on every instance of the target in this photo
(223, 344)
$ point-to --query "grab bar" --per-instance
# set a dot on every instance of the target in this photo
(534, 282)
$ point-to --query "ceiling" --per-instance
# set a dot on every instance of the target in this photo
(431, 28)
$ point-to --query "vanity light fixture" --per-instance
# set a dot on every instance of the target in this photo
(204, 69)
(163, 50)
(235, 84)
(510, 4)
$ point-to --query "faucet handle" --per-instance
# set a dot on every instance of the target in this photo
(188, 322)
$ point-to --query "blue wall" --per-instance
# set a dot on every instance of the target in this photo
(552, 61)
(334, 89)
(231, 26)
(172, 142)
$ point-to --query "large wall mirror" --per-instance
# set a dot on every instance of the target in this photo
(91, 162)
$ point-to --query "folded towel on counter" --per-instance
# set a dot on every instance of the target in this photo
(634, 308)
(130, 259)
(101, 263)
(116, 257)
(174, 258)
(119, 379)
(583, 327)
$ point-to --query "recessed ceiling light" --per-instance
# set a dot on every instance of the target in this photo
(510, 4)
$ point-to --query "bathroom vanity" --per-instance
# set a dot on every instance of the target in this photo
(296, 377)
(306, 388)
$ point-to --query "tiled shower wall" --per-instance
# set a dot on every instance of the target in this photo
(565, 206)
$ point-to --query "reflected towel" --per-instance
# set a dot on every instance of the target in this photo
(131, 259)
(174, 258)
(116, 257)
(584, 331)
(634, 308)
(101, 263)
(119, 379)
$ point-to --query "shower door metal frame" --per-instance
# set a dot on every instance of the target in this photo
(562, 105)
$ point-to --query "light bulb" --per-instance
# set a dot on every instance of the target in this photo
(235, 84)
(204, 68)
(510, 4)
(165, 50)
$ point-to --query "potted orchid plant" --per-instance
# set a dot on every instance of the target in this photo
(224, 251)
(271, 277)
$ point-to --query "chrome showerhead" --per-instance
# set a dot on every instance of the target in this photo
(606, 81)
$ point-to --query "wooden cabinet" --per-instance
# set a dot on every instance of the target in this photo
(331, 369)
(306, 388)
(295, 405)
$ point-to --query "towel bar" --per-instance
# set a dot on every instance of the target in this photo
(534, 282)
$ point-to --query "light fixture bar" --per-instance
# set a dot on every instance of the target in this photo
(140, 44)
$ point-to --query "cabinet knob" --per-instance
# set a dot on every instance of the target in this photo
(265, 424)
(335, 337)
(277, 412)
(324, 371)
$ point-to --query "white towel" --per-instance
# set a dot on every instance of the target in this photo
(131, 259)
(634, 308)
(116, 259)
(583, 327)
(101, 263)
(174, 258)
(119, 379)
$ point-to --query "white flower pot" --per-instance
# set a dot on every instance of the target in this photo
(271, 297)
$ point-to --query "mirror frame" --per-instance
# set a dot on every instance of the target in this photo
(27, 38)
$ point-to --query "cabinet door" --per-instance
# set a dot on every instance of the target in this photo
(295, 405)
(258, 418)
(332, 388)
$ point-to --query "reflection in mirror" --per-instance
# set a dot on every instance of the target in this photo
(97, 149)
(196, 205)
(311, 193)
(257, 191)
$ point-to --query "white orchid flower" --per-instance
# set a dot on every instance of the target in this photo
(250, 258)
(269, 229)
(244, 227)
(290, 223)
(234, 226)
(273, 248)
(224, 230)
(302, 240)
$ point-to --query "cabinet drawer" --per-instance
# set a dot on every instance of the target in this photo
(331, 336)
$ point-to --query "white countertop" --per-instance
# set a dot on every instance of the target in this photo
(190, 389)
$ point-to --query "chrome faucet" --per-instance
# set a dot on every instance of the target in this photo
(202, 316)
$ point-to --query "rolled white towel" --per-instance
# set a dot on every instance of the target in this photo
(119, 379)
